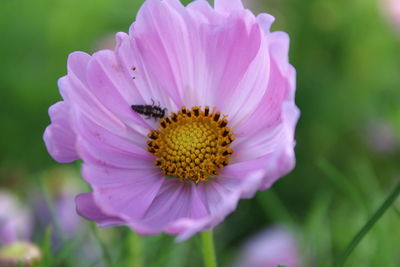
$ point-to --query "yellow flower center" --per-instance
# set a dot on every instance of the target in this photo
(191, 144)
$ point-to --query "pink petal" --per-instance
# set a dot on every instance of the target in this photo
(81, 101)
(228, 6)
(268, 112)
(265, 131)
(241, 100)
(97, 145)
(165, 44)
(283, 160)
(221, 196)
(279, 49)
(126, 192)
(186, 208)
(129, 59)
(76, 90)
(108, 81)
(77, 65)
(175, 200)
(191, 61)
(265, 20)
(86, 207)
(201, 10)
(227, 71)
(59, 136)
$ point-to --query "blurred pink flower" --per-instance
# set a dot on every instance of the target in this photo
(55, 210)
(391, 9)
(270, 248)
(380, 137)
(15, 220)
(61, 211)
(196, 165)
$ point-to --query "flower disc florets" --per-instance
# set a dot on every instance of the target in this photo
(191, 144)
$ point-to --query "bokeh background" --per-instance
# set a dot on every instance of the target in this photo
(347, 56)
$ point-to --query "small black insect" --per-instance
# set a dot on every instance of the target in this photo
(151, 111)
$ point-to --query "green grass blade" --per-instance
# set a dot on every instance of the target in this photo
(342, 183)
(370, 223)
(46, 248)
(273, 206)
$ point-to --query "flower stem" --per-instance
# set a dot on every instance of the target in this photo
(370, 223)
(208, 249)
(135, 259)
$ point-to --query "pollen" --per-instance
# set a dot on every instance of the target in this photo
(192, 144)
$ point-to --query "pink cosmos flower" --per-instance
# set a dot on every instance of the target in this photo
(270, 248)
(226, 88)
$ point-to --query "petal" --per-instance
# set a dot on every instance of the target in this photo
(87, 208)
(228, 6)
(97, 145)
(142, 90)
(77, 65)
(81, 101)
(240, 101)
(252, 170)
(75, 89)
(59, 136)
(227, 72)
(126, 192)
(262, 132)
(175, 200)
(259, 144)
(190, 59)
(108, 81)
(163, 40)
(201, 10)
(279, 49)
(280, 160)
(280, 88)
(186, 208)
(221, 196)
(265, 20)
(283, 160)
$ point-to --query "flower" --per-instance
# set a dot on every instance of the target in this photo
(272, 247)
(57, 210)
(15, 220)
(55, 214)
(380, 137)
(226, 88)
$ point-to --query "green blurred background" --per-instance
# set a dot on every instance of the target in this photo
(347, 58)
